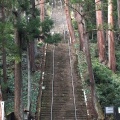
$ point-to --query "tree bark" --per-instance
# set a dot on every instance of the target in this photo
(80, 25)
(118, 10)
(32, 43)
(4, 64)
(69, 21)
(42, 10)
(91, 75)
(111, 44)
(32, 55)
(90, 70)
(4, 70)
(18, 81)
(100, 32)
(29, 78)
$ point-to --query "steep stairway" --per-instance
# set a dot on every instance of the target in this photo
(63, 107)
(65, 101)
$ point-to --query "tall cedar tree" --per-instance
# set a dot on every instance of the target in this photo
(118, 10)
(69, 21)
(80, 25)
(92, 100)
(90, 70)
(42, 10)
(32, 42)
(111, 41)
(18, 80)
(100, 32)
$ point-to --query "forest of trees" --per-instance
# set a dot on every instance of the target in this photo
(25, 28)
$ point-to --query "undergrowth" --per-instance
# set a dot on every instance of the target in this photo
(107, 83)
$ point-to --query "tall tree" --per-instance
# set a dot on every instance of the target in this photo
(80, 25)
(92, 108)
(100, 32)
(90, 71)
(118, 10)
(18, 80)
(111, 41)
(32, 42)
(18, 73)
(42, 10)
(29, 76)
(69, 21)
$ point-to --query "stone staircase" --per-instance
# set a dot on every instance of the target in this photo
(63, 107)
(63, 102)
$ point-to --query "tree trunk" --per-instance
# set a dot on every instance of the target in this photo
(29, 78)
(4, 71)
(32, 55)
(42, 10)
(32, 43)
(18, 81)
(4, 56)
(90, 71)
(80, 25)
(118, 10)
(69, 21)
(35, 46)
(91, 75)
(111, 44)
(100, 32)
(4, 64)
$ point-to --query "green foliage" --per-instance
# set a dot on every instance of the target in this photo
(40, 44)
(55, 38)
(102, 73)
(4, 86)
(6, 35)
(9, 103)
(107, 85)
(33, 28)
(25, 5)
(34, 89)
(76, 1)
(46, 26)
(74, 22)
(6, 31)
(118, 60)
(29, 28)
